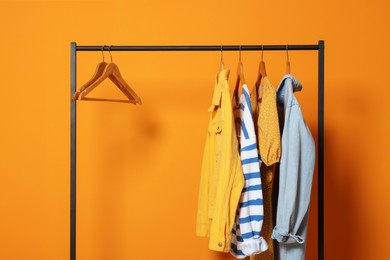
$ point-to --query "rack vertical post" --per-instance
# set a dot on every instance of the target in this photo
(72, 152)
(320, 148)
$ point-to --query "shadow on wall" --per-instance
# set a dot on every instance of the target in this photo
(312, 233)
(134, 136)
(339, 200)
(129, 138)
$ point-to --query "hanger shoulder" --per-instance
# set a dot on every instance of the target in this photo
(98, 72)
(261, 73)
(106, 73)
(235, 92)
(262, 69)
(94, 84)
(118, 80)
(241, 72)
(221, 66)
(240, 79)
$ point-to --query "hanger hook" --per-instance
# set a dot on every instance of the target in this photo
(288, 59)
(221, 54)
(103, 52)
(109, 51)
(262, 51)
(239, 57)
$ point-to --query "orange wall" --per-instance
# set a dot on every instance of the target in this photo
(139, 166)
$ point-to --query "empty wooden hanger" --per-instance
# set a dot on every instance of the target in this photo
(98, 72)
(240, 77)
(112, 72)
(261, 73)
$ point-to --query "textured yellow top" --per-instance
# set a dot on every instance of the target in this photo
(268, 132)
(265, 116)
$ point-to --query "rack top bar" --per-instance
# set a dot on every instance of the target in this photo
(200, 48)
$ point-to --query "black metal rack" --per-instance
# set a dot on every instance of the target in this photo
(320, 147)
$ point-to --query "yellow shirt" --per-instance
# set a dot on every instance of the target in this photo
(222, 178)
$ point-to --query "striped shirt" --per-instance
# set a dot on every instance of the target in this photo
(246, 238)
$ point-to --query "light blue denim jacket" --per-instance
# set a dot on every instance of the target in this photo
(295, 174)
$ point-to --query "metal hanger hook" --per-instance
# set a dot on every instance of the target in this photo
(103, 52)
(109, 51)
(262, 51)
(288, 58)
(221, 54)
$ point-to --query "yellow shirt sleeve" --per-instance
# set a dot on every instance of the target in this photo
(265, 111)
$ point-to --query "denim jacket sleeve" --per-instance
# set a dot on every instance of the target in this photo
(296, 167)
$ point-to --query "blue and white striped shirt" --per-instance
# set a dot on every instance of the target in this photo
(246, 238)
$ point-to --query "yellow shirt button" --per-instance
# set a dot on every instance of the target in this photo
(220, 244)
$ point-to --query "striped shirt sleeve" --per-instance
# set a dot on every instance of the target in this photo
(246, 233)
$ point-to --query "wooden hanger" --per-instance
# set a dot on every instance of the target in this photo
(240, 78)
(261, 73)
(98, 72)
(112, 72)
(288, 61)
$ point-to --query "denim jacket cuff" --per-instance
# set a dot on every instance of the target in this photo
(282, 236)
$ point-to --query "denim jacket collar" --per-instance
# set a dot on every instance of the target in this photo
(288, 85)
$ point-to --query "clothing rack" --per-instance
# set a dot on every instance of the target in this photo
(320, 146)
